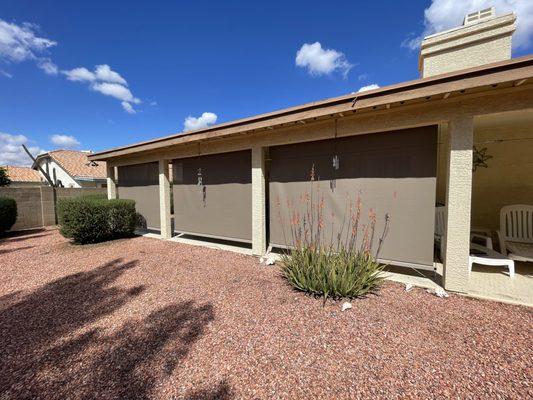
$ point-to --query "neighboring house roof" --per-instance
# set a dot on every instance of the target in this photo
(76, 164)
(500, 74)
(22, 174)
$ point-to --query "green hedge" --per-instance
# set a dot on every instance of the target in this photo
(90, 219)
(8, 213)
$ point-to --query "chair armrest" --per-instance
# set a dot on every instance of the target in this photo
(481, 230)
(486, 239)
(503, 246)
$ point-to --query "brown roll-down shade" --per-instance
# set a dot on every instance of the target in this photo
(213, 195)
(392, 172)
(140, 182)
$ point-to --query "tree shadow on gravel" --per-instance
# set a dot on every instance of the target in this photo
(50, 350)
(221, 392)
(5, 251)
(20, 236)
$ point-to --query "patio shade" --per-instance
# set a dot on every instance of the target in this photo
(140, 182)
(391, 173)
(213, 195)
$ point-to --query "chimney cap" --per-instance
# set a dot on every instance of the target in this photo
(478, 16)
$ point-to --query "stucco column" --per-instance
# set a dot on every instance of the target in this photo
(259, 241)
(164, 199)
(111, 183)
(458, 202)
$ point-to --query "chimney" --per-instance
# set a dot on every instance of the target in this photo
(483, 38)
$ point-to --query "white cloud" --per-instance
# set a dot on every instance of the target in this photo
(206, 119)
(106, 74)
(48, 66)
(446, 14)
(12, 153)
(20, 43)
(368, 87)
(128, 107)
(64, 141)
(115, 90)
(319, 61)
(106, 81)
(79, 74)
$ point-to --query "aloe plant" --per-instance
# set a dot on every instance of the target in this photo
(341, 266)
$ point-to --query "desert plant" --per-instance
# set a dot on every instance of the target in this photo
(339, 266)
(8, 213)
(89, 219)
(322, 272)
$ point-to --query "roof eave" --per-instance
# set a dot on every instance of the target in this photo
(454, 79)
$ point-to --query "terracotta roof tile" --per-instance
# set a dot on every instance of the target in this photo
(22, 174)
(78, 165)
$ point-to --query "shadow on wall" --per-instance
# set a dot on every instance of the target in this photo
(51, 347)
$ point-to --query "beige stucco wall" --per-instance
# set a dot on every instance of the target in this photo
(508, 179)
(458, 199)
(259, 222)
(164, 199)
(468, 56)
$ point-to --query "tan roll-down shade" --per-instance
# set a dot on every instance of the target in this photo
(392, 172)
(213, 195)
(140, 182)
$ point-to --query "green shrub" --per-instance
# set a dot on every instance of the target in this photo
(90, 219)
(122, 217)
(8, 213)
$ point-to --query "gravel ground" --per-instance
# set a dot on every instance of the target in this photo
(144, 318)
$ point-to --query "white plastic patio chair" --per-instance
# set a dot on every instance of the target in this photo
(516, 232)
(481, 234)
(485, 256)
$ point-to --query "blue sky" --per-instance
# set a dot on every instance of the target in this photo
(172, 60)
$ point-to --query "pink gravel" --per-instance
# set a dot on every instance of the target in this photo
(144, 318)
